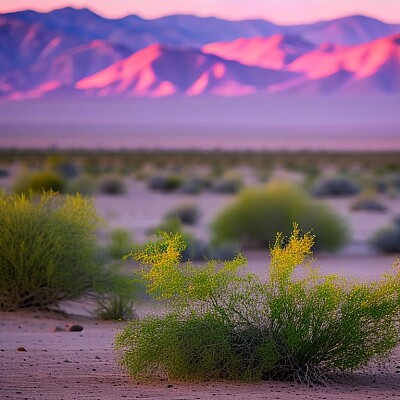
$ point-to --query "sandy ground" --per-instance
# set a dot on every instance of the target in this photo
(83, 365)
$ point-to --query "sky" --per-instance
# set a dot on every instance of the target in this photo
(279, 11)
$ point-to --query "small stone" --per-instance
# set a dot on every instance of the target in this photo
(57, 329)
(74, 328)
(21, 348)
(170, 386)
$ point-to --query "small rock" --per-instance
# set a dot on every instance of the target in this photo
(170, 386)
(57, 329)
(21, 348)
(74, 328)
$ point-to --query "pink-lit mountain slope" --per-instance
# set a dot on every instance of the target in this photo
(23, 43)
(275, 51)
(163, 71)
(369, 68)
(61, 71)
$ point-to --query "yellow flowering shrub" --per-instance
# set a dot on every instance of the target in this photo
(226, 324)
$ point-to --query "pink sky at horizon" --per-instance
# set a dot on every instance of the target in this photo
(279, 11)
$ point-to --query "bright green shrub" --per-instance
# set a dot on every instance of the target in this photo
(226, 325)
(38, 182)
(258, 213)
(47, 249)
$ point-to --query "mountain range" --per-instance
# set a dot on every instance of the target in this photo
(77, 53)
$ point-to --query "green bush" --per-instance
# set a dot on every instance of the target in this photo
(258, 213)
(229, 183)
(187, 213)
(47, 249)
(112, 184)
(298, 325)
(83, 184)
(38, 182)
(120, 243)
(165, 182)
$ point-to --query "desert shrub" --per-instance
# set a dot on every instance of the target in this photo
(380, 184)
(254, 217)
(83, 184)
(62, 166)
(387, 239)
(223, 251)
(47, 249)
(298, 325)
(165, 182)
(112, 184)
(4, 173)
(229, 183)
(368, 202)
(115, 300)
(195, 184)
(197, 249)
(187, 213)
(336, 186)
(120, 243)
(38, 182)
(395, 181)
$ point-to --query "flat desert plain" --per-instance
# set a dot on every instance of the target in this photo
(84, 365)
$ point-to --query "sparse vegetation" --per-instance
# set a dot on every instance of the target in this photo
(115, 301)
(336, 186)
(254, 217)
(226, 325)
(229, 183)
(120, 243)
(387, 239)
(187, 213)
(165, 182)
(112, 184)
(83, 184)
(368, 202)
(38, 182)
